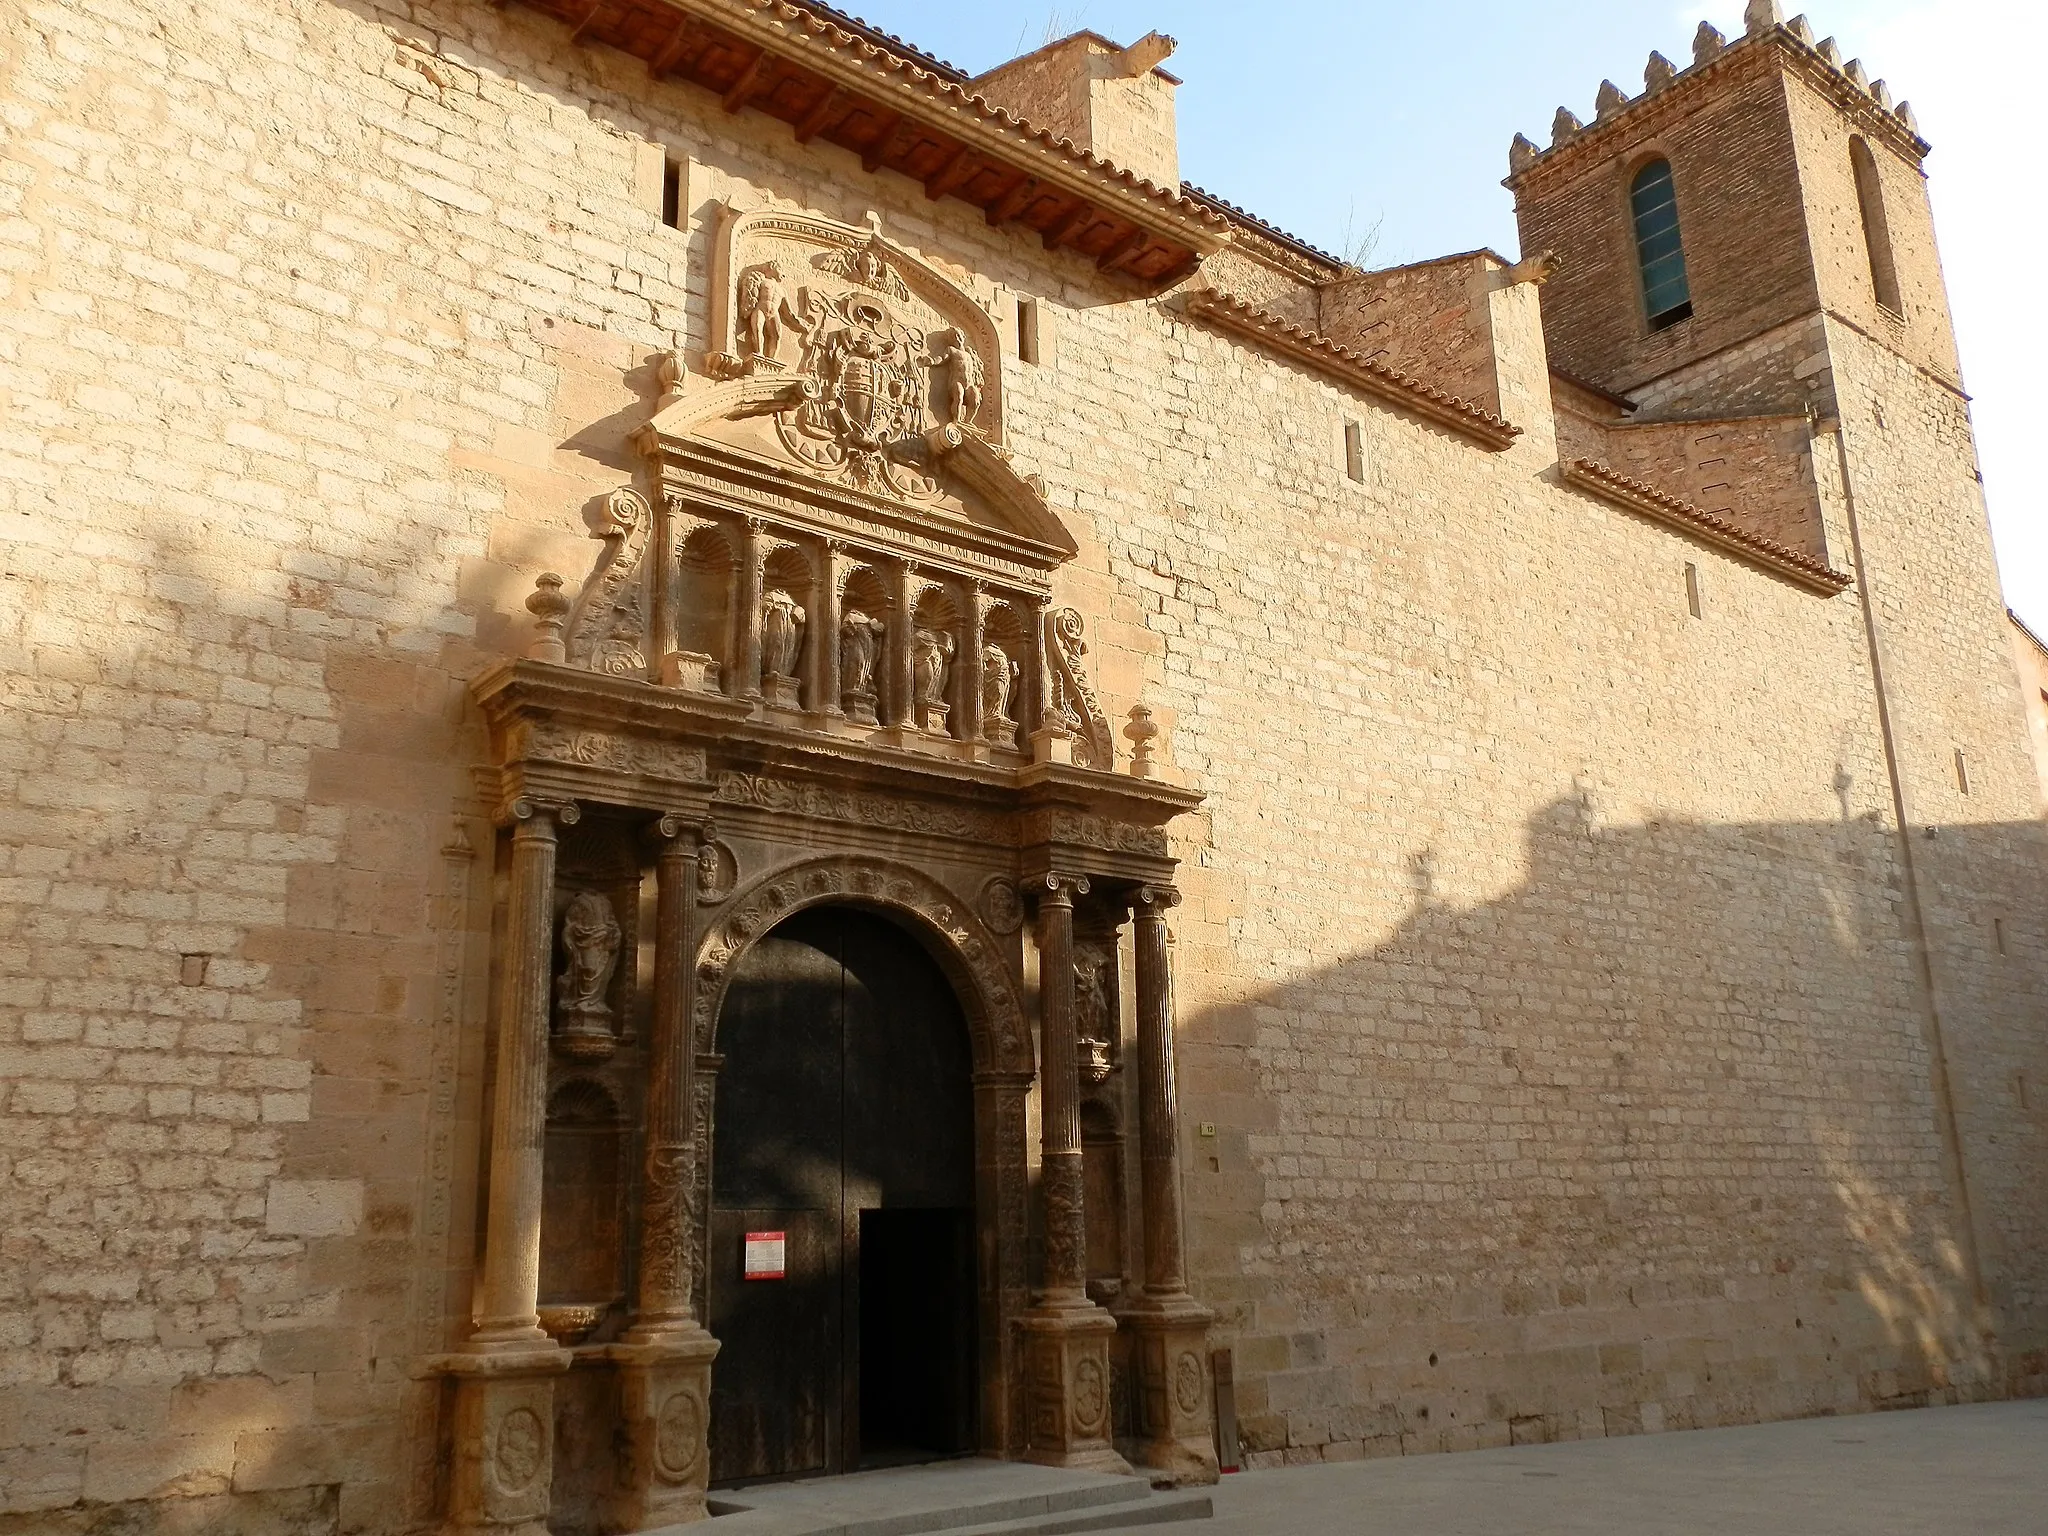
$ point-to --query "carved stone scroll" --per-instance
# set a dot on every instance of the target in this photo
(608, 625)
(1070, 698)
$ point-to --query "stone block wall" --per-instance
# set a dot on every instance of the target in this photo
(1543, 970)
(2031, 658)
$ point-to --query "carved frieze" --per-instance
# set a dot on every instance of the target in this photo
(1078, 829)
(551, 743)
(865, 808)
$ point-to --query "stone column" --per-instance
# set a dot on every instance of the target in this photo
(661, 584)
(503, 1432)
(746, 618)
(665, 1357)
(1066, 1336)
(967, 673)
(1171, 1393)
(824, 632)
(900, 701)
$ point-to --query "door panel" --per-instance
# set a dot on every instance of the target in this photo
(844, 1107)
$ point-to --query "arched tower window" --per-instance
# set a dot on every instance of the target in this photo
(1654, 201)
(1877, 233)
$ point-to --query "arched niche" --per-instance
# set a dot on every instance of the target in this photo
(864, 614)
(704, 598)
(788, 600)
(937, 641)
(1006, 652)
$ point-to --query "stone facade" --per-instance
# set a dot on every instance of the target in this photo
(2031, 657)
(1590, 829)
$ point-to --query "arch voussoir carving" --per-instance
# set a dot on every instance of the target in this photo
(943, 919)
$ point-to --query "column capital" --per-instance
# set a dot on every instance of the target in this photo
(679, 833)
(534, 807)
(1057, 889)
(1154, 900)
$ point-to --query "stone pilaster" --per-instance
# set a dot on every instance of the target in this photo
(1170, 1387)
(664, 1360)
(824, 631)
(967, 670)
(503, 1440)
(1066, 1336)
(746, 617)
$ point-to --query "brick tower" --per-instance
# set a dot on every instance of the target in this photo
(1749, 238)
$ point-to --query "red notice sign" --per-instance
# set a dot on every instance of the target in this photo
(762, 1256)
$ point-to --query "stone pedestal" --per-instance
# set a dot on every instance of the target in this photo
(664, 1414)
(1171, 1395)
(780, 691)
(502, 1473)
(1066, 1385)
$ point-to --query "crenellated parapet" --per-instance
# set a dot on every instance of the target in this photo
(1869, 102)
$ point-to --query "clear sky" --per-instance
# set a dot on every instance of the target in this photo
(1331, 118)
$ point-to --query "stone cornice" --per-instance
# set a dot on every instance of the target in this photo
(1339, 362)
(1610, 485)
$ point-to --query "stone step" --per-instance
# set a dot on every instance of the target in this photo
(952, 1497)
(1158, 1509)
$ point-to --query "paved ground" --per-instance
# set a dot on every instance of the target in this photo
(1977, 1471)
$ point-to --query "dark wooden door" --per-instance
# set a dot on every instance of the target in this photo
(844, 1118)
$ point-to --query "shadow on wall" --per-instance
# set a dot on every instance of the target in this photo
(1652, 1141)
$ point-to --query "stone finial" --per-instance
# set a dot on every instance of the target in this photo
(1905, 114)
(1761, 15)
(1802, 29)
(1830, 52)
(1658, 73)
(1142, 731)
(1522, 154)
(1565, 125)
(1612, 99)
(1707, 43)
(549, 609)
(1858, 75)
(1882, 93)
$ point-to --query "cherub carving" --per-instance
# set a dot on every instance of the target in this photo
(590, 941)
(761, 308)
(954, 362)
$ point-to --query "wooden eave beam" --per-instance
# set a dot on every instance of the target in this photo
(671, 54)
(814, 121)
(583, 25)
(1122, 249)
(1080, 218)
(876, 154)
(751, 78)
(962, 164)
(1014, 201)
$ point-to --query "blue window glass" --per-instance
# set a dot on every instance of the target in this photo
(1654, 200)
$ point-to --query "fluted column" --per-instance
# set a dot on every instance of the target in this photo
(1066, 1238)
(1170, 1381)
(665, 1241)
(509, 1299)
(824, 631)
(661, 583)
(900, 705)
(746, 619)
(665, 1358)
(968, 670)
(1158, 1116)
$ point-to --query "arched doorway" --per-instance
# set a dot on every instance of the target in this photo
(843, 1176)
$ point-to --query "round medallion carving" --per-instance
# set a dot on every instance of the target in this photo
(1187, 1382)
(1091, 1396)
(522, 1442)
(1001, 907)
(678, 1436)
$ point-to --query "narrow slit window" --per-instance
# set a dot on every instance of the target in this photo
(1692, 590)
(1653, 199)
(1962, 771)
(1998, 933)
(1027, 331)
(1354, 451)
(672, 194)
(1877, 232)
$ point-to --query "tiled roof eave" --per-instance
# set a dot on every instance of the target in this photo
(821, 44)
(1213, 307)
(1610, 485)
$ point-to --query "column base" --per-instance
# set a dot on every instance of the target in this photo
(503, 1442)
(1172, 1417)
(664, 1463)
(1066, 1383)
